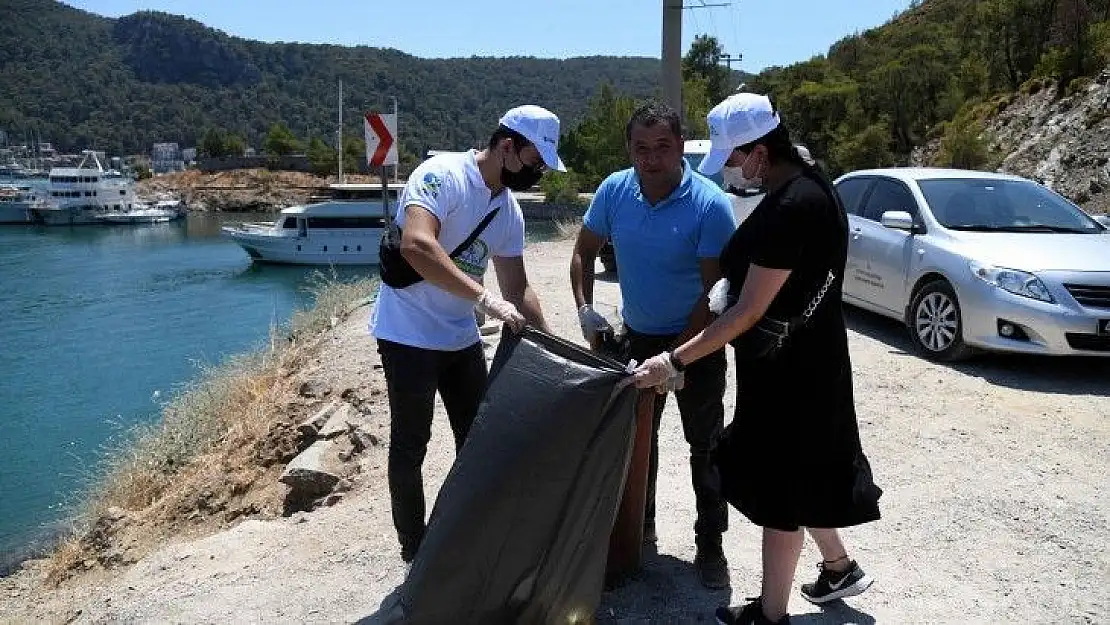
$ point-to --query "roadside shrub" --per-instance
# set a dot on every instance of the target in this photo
(1078, 85)
(561, 188)
(964, 144)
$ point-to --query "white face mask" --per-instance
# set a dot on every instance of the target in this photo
(734, 177)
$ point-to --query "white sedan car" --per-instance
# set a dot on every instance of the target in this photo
(971, 259)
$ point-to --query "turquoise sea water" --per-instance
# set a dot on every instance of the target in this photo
(98, 327)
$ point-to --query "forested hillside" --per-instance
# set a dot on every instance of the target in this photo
(937, 71)
(81, 81)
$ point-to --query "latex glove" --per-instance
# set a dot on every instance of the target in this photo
(592, 322)
(656, 371)
(501, 310)
(676, 383)
(718, 296)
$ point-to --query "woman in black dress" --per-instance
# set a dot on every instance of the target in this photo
(791, 457)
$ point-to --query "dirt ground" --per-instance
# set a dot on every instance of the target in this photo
(994, 510)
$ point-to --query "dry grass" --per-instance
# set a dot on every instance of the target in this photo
(567, 229)
(212, 454)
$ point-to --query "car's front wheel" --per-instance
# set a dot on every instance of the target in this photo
(936, 323)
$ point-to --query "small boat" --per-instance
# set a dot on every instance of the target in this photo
(16, 202)
(162, 212)
(343, 229)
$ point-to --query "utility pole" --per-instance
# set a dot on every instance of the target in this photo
(340, 141)
(672, 54)
(728, 59)
(672, 49)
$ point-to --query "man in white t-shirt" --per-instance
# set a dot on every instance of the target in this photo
(427, 334)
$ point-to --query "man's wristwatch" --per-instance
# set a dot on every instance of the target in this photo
(678, 366)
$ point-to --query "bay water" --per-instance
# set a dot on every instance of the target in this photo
(100, 326)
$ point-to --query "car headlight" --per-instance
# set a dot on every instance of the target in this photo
(1017, 282)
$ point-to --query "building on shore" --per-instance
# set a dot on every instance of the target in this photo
(166, 157)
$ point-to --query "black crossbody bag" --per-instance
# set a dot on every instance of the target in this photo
(766, 339)
(396, 271)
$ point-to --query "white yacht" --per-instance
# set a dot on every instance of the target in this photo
(79, 195)
(343, 228)
(16, 202)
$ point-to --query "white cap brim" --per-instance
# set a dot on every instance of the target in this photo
(714, 161)
(550, 157)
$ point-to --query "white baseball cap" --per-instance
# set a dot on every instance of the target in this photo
(541, 127)
(738, 120)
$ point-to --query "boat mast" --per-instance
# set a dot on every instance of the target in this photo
(340, 142)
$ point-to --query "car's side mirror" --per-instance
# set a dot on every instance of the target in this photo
(899, 220)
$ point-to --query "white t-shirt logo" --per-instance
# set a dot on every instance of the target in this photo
(472, 261)
(431, 184)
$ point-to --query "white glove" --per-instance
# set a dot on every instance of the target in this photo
(592, 322)
(501, 310)
(718, 296)
(676, 383)
(656, 371)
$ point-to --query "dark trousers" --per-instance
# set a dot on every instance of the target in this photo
(412, 376)
(701, 406)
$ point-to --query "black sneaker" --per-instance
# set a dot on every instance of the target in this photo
(750, 614)
(833, 585)
(712, 567)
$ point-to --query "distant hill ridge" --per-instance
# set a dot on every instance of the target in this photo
(81, 80)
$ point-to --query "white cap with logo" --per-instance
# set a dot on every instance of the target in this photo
(738, 120)
(541, 127)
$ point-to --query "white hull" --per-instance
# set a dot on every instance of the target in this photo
(151, 216)
(342, 247)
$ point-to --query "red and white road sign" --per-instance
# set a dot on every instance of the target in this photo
(381, 139)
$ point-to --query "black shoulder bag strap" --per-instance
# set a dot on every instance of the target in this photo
(476, 233)
(810, 308)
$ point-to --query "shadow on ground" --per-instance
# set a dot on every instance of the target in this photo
(666, 590)
(1070, 375)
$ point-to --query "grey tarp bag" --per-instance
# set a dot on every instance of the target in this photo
(520, 530)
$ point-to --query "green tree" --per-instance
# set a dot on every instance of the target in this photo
(696, 102)
(864, 149)
(280, 141)
(322, 158)
(213, 144)
(703, 60)
(597, 147)
(354, 154)
(234, 145)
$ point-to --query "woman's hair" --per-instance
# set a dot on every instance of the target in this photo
(780, 149)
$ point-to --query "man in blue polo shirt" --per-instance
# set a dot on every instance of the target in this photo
(668, 225)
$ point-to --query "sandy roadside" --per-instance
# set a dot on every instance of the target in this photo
(994, 508)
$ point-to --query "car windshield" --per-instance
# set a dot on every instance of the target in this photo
(993, 205)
